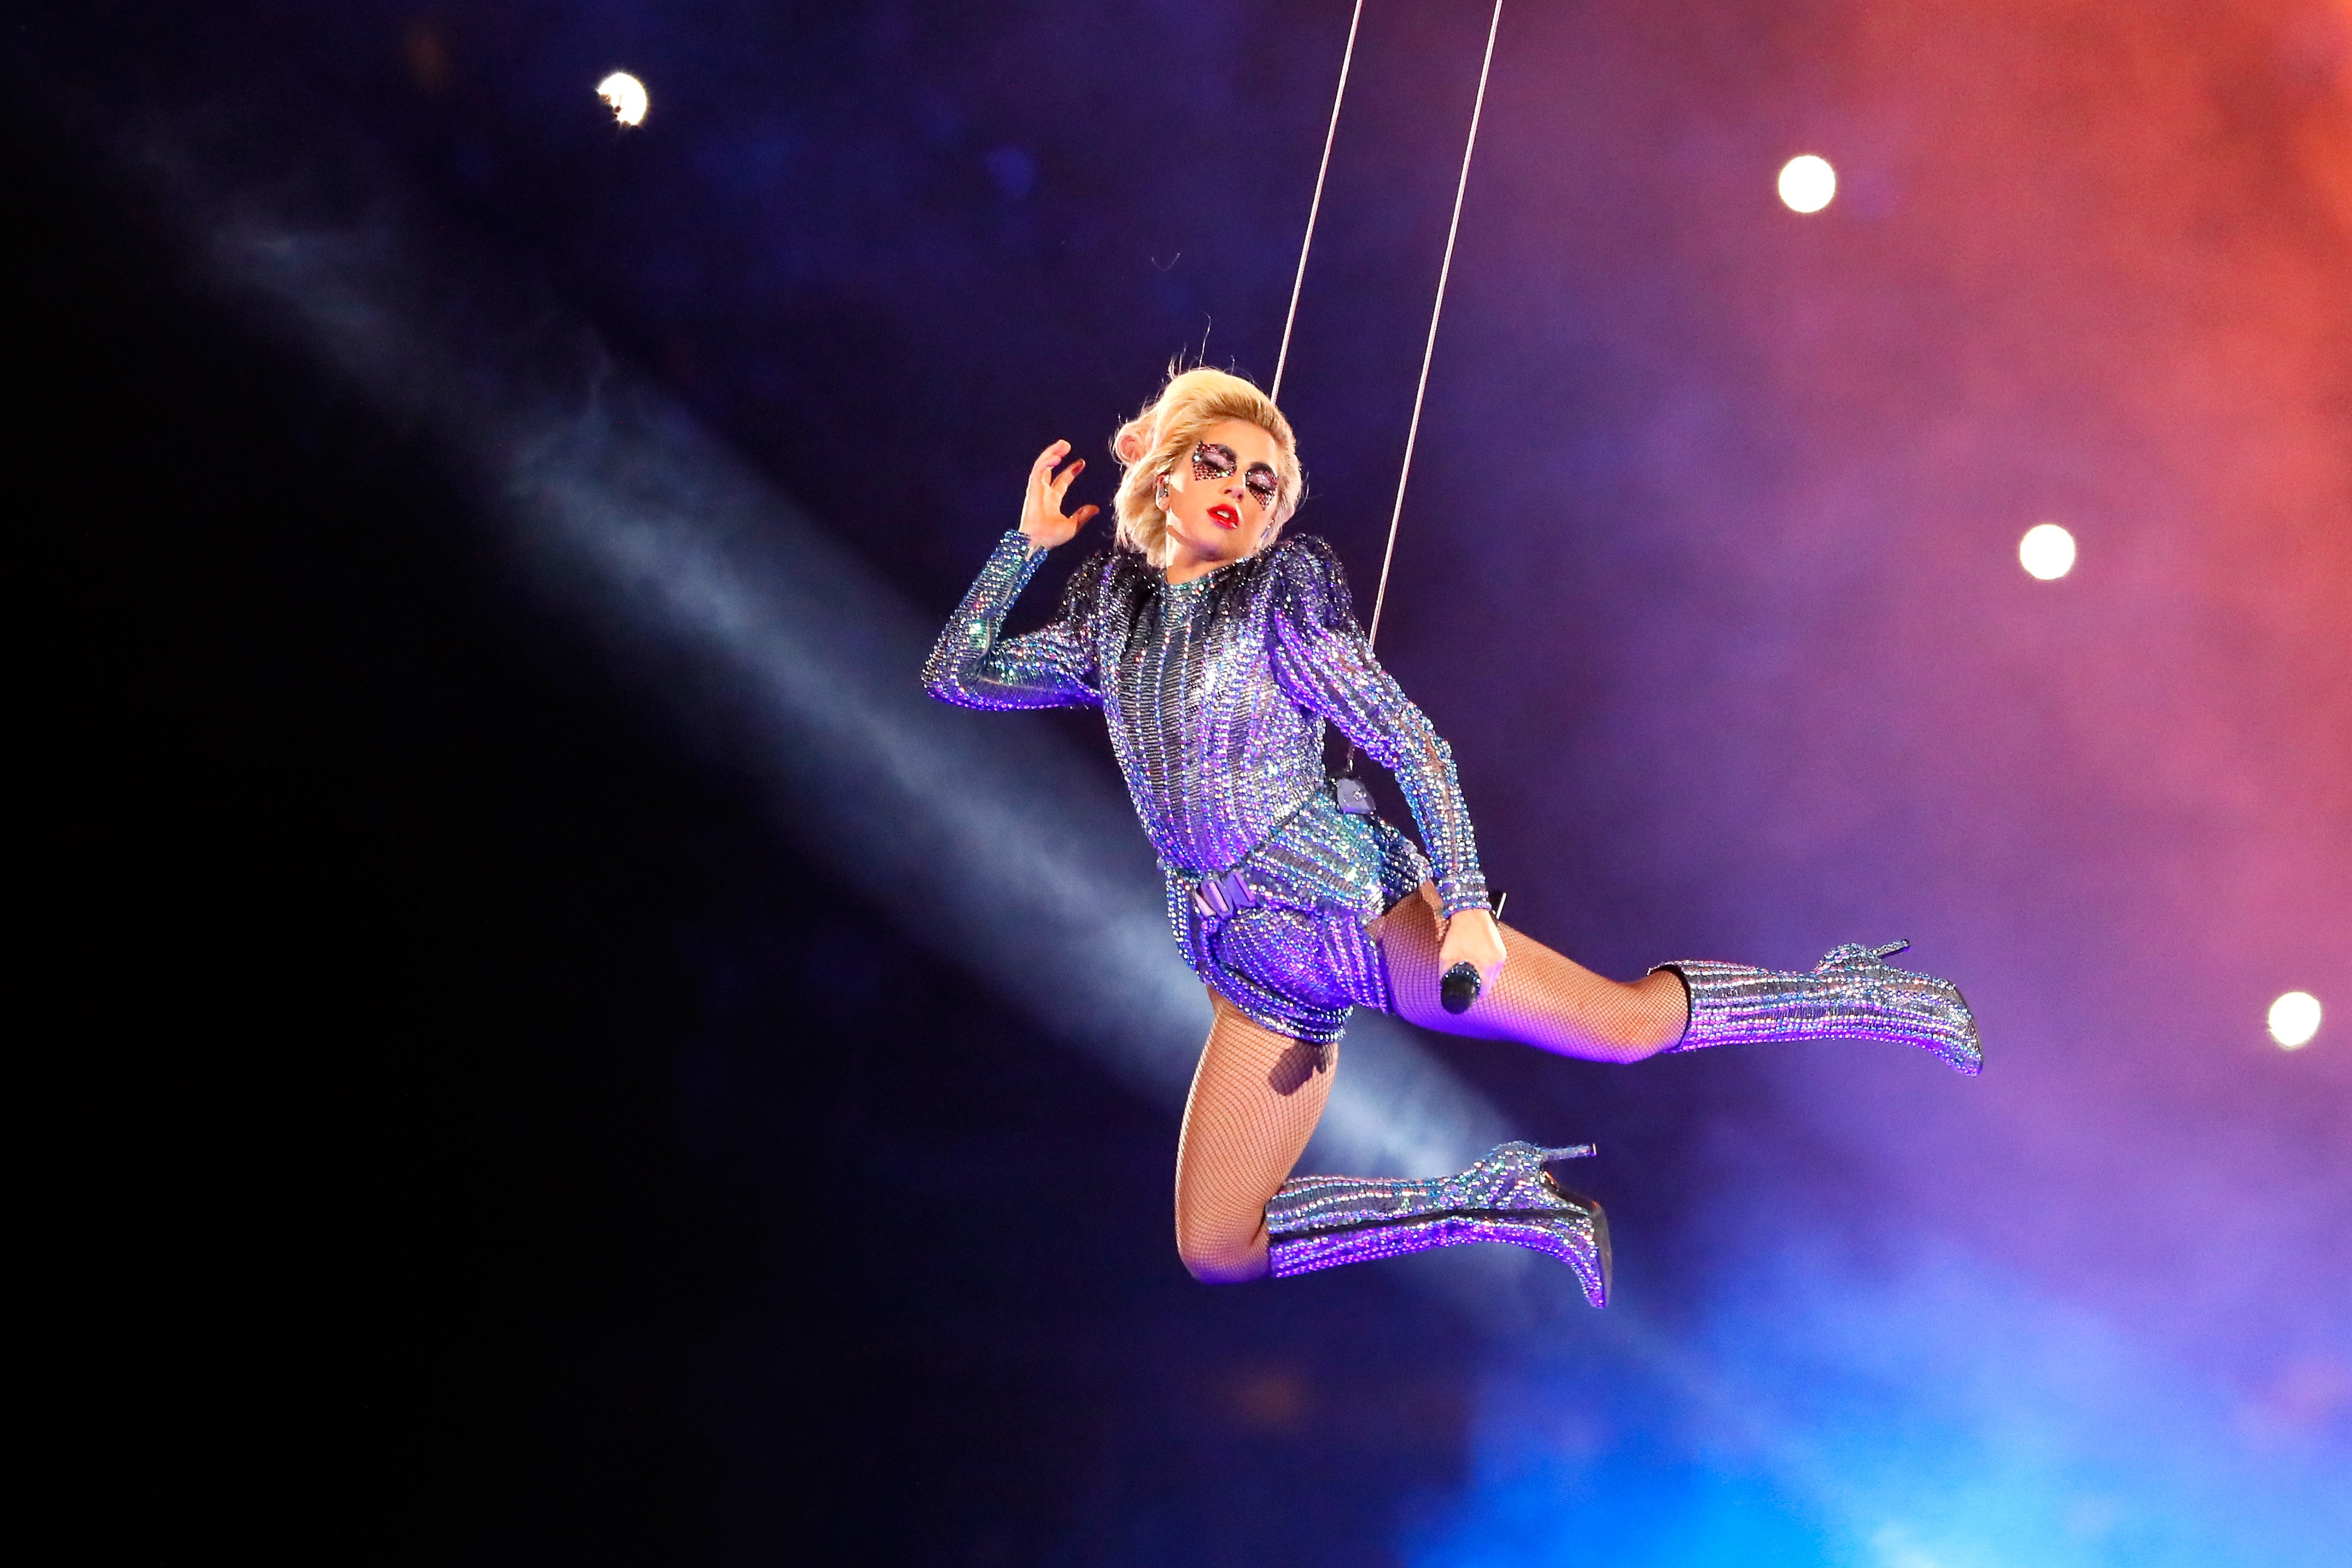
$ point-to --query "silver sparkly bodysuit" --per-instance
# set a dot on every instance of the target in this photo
(1216, 692)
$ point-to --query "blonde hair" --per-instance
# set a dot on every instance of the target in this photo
(1154, 442)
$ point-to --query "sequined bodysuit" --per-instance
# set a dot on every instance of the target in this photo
(1216, 692)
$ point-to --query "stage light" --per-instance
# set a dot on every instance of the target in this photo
(2047, 551)
(1807, 183)
(2294, 1019)
(627, 96)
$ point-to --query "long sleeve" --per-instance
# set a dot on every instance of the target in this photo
(1322, 662)
(1051, 667)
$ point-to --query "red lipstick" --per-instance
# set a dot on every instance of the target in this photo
(1224, 516)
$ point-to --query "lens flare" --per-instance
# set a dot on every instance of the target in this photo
(2047, 551)
(1807, 183)
(2294, 1019)
(627, 96)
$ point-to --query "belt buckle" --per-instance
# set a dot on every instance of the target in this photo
(1218, 897)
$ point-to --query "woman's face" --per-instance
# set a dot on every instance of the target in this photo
(1221, 498)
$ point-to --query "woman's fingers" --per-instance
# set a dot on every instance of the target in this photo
(1041, 472)
(1472, 937)
(1042, 515)
(1085, 515)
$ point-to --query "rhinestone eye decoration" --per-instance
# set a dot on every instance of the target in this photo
(1213, 461)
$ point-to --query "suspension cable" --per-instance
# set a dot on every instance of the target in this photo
(1436, 308)
(1346, 58)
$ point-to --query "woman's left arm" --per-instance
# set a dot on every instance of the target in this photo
(1324, 663)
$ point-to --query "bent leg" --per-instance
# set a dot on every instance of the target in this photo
(1541, 999)
(1256, 1099)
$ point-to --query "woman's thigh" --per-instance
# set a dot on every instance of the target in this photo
(1542, 998)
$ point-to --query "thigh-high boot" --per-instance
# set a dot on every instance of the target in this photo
(1321, 1222)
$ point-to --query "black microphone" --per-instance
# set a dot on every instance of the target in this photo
(1460, 987)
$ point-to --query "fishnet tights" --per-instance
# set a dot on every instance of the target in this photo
(1256, 1099)
(1256, 1095)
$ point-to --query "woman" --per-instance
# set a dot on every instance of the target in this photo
(1218, 650)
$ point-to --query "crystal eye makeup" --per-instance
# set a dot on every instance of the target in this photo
(1213, 461)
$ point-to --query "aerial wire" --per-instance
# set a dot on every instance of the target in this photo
(1347, 58)
(1436, 309)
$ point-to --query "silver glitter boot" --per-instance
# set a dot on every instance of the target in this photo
(1852, 994)
(1321, 1222)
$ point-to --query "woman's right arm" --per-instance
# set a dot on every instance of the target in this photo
(1053, 667)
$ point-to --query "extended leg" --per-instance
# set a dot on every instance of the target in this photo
(1256, 1099)
(1541, 999)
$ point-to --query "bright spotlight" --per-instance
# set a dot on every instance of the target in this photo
(2047, 551)
(627, 96)
(2294, 1019)
(1807, 183)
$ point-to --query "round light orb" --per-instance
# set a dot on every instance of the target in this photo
(2294, 1019)
(627, 96)
(2047, 551)
(1807, 183)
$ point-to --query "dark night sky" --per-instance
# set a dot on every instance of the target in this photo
(462, 1127)
(441, 1188)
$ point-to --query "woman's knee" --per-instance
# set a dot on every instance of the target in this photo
(1219, 1243)
(1223, 1258)
(1656, 1012)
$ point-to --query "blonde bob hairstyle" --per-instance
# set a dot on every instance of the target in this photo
(1154, 442)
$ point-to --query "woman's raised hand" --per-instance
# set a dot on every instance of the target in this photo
(1042, 522)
